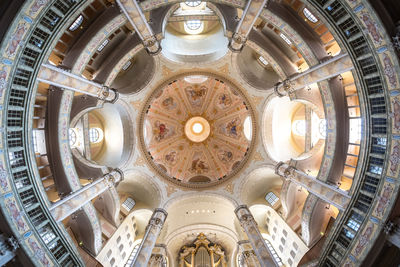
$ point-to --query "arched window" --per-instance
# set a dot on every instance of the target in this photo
(310, 16)
(128, 204)
(75, 25)
(192, 3)
(103, 44)
(127, 65)
(72, 137)
(299, 127)
(133, 254)
(247, 128)
(194, 26)
(273, 252)
(95, 135)
(263, 61)
(322, 128)
(284, 37)
(271, 198)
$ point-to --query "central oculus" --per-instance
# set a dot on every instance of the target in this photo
(197, 129)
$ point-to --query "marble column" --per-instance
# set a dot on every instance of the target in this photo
(137, 19)
(328, 193)
(250, 226)
(153, 230)
(61, 78)
(158, 257)
(76, 200)
(245, 25)
(247, 257)
(321, 72)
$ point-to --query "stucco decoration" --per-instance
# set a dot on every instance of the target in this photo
(174, 148)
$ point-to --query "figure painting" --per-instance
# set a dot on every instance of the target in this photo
(389, 71)
(396, 113)
(16, 215)
(3, 177)
(171, 158)
(233, 128)
(39, 253)
(36, 6)
(372, 27)
(16, 39)
(199, 165)
(3, 80)
(161, 131)
(225, 156)
(394, 159)
(169, 103)
(196, 96)
(224, 101)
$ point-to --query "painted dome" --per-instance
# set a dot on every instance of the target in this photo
(197, 130)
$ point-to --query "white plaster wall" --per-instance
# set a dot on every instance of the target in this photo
(111, 254)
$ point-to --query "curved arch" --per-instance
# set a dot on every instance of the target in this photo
(227, 199)
(257, 184)
(276, 128)
(315, 218)
(223, 236)
(139, 74)
(117, 150)
(141, 187)
(250, 69)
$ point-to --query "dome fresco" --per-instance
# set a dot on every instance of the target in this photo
(206, 155)
(233, 133)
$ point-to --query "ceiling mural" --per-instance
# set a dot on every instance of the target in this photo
(197, 130)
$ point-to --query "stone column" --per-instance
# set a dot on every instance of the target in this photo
(135, 16)
(250, 226)
(247, 257)
(245, 25)
(76, 200)
(8, 246)
(61, 78)
(324, 191)
(159, 256)
(153, 230)
(321, 72)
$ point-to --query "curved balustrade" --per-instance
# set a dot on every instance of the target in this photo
(24, 197)
(371, 190)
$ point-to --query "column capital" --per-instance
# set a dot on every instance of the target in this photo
(158, 218)
(284, 170)
(114, 177)
(108, 94)
(244, 215)
(237, 42)
(152, 46)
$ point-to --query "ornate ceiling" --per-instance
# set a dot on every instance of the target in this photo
(197, 130)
